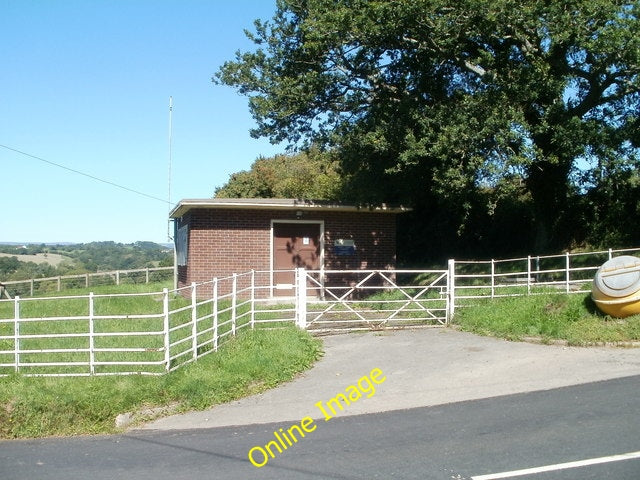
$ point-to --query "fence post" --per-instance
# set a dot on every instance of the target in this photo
(493, 278)
(194, 321)
(146, 275)
(234, 293)
(301, 298)
(16, 331)
(253, 299)
(86, 280)
(528, 274)
(451, 290)
(215, 314)
(165, 313)
(91, 338)
(117, 277)
(32, 286)
(59, 283)
(568, 274)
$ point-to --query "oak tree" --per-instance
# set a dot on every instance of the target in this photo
(437, 103)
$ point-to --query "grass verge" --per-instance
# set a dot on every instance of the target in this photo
(254, 361)
(554, 316)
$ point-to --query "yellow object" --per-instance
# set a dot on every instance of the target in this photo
(616, 286)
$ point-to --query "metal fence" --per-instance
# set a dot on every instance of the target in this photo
(567, 272)
(155, 333)
(139, 333)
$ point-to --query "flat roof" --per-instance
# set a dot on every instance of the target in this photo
(186, 205)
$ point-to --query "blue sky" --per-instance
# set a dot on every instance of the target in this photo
(86, 84)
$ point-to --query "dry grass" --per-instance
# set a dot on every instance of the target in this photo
(53, 259)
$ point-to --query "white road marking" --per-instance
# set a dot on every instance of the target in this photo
(559, 466)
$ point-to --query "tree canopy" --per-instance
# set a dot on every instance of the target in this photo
(481, 110)
(312, 175)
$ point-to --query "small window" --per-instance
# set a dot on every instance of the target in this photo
(182, 245)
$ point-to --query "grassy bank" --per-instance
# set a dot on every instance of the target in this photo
(254, 361)
(553, 316)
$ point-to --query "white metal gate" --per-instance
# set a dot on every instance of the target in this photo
(371, 299)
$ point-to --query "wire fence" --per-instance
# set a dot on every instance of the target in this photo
(35, 286)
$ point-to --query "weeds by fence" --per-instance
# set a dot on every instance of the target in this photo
(153, 333)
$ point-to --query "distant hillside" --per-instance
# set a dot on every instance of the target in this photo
(22, 262)
(52, 259)
(19, 244)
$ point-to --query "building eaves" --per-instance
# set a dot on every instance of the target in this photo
(187, 205)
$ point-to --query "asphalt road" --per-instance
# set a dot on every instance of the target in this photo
(452, 441)
(423, 367)
(452, 406)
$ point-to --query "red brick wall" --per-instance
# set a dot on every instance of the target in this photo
(374, 235)
(225, 241)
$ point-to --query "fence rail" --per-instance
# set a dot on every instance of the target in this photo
(154, 333)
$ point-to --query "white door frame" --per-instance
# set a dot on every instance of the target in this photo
(271, 252)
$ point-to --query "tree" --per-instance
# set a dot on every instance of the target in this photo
(612, 202)
(434, 102)
(311, 175)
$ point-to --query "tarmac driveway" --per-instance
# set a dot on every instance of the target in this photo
(423, 367)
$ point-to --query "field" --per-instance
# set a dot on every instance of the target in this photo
(53, 259)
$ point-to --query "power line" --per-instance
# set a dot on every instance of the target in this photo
(92, 177)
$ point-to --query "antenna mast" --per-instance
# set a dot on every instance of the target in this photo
(169, 187)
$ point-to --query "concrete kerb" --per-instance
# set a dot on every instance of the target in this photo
(424, 367)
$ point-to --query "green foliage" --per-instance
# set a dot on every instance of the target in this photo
(80, 258)
(19, 268)
(251, 363)
(556, 316)
(311, 175)
(9, 265)
(97, 256)
(612, 202)
(455, 107)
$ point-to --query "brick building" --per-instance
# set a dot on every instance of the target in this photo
(218, 237)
